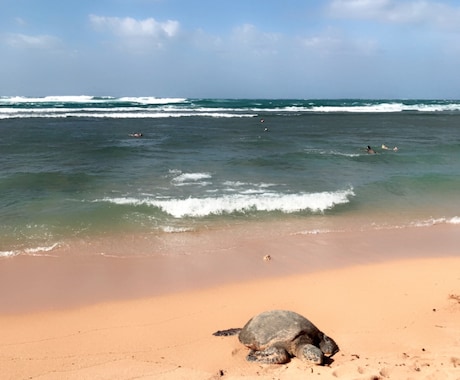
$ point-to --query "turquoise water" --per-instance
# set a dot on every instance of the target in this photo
(70, 167)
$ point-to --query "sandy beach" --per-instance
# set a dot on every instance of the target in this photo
(390, 299)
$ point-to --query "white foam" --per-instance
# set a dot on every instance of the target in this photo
(365, 108)
(48, 99)
(435, 221)
(151, 100)
(235, 183)
(383, 107)
(9, 253)
(313, 232)
(89, 99)
(191, 177)
(183, 107)
(36, 251)
(195, 179)
(388, 108)
(245, 187)
(173, 230)
(454, 220)
(241, 203)
(128, 114)
(332, 153)
(288, 203)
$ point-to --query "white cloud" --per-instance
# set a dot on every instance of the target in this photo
(20, 21)
(393, 11)
(333, 43)
(322, 43)
(358, 8)
(29, 41)
(258, 42)
(131, 28)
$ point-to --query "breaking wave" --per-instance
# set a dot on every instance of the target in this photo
(240, 203)
(153, 107)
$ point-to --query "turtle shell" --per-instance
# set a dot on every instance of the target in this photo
(278, 327)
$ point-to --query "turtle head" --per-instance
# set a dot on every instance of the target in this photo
(315, 352)
(328, 346)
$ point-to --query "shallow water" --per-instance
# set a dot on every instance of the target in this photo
(70, 169)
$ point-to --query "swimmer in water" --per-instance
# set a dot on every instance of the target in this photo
(369, 150)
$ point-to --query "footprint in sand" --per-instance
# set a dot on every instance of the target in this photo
(385, 372)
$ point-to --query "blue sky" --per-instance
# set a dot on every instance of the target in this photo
(231, 48)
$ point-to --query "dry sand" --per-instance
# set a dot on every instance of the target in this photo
(397, 318)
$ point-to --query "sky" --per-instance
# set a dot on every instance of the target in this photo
(231, 48)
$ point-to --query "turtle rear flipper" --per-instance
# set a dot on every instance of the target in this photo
(271, 355)
(228, 332)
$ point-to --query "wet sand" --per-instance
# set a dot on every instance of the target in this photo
(390, 298)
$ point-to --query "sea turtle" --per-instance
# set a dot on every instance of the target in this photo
(275, 336)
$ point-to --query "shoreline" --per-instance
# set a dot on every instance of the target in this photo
(107, 270)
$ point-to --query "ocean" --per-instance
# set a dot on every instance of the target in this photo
(76, 168)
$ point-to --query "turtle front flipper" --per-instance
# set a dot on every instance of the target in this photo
(310, 353)
(271, 355)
